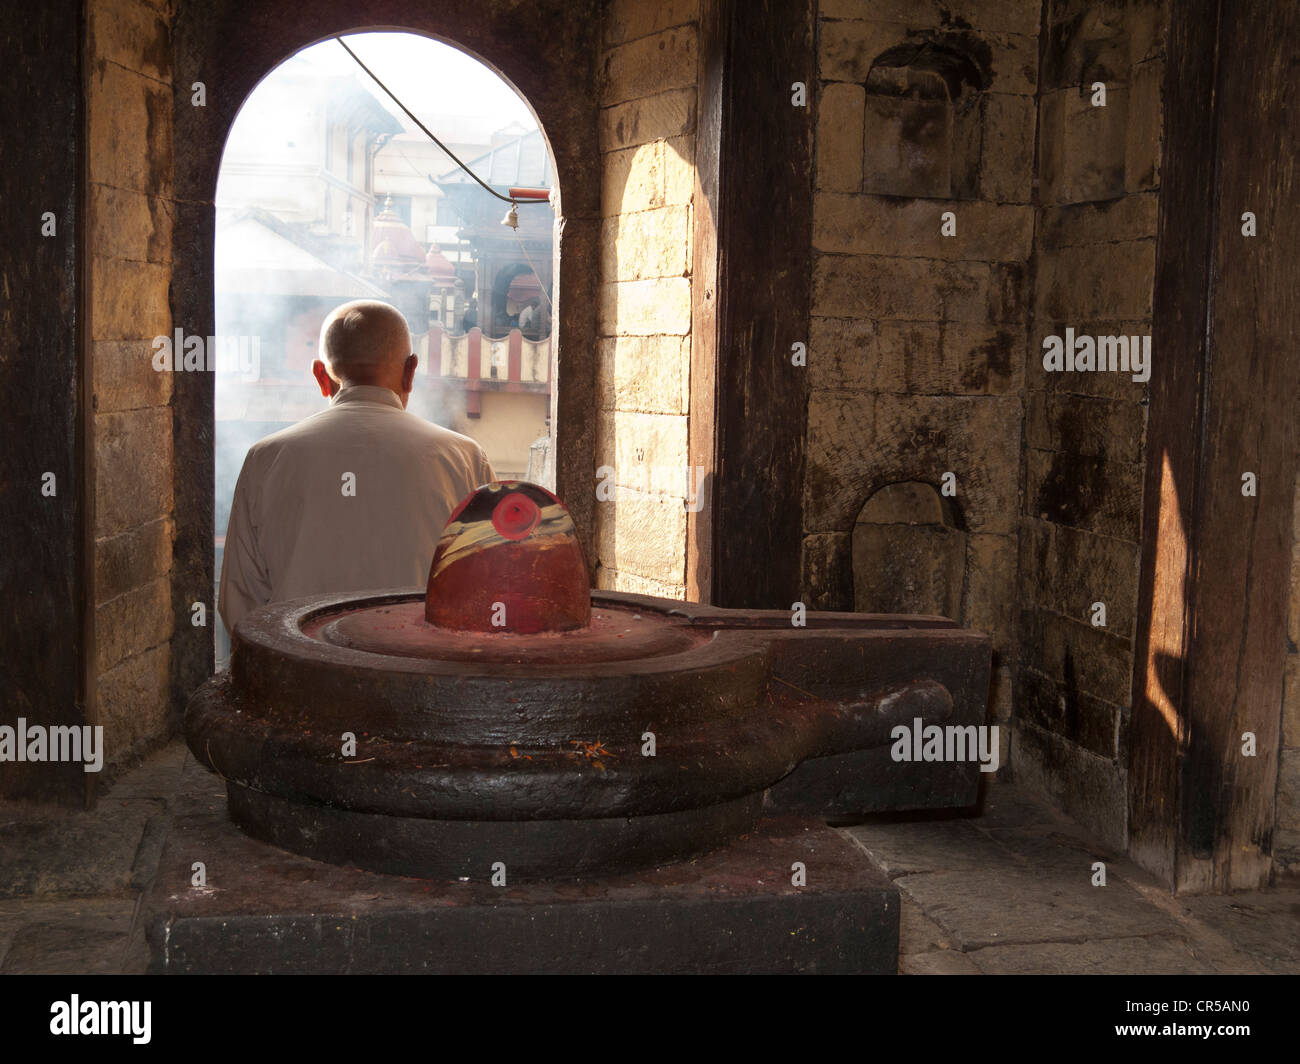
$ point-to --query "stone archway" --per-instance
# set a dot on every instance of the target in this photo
(213, 45)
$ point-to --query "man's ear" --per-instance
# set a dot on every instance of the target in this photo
(408, 372)
(328, 385)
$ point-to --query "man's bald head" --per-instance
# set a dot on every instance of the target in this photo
(364, 339)
(365, 342)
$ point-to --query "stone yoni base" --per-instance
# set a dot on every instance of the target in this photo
(263, 910)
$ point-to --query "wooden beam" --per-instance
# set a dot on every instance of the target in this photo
(764, 227)
(702, 436)
(1212, 647)
(45, 595)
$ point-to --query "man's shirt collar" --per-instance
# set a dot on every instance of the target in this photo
(366, 393)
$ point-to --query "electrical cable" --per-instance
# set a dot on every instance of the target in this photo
(429, 133)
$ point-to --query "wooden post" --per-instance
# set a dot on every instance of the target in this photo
(1225, 381)
(752, 299)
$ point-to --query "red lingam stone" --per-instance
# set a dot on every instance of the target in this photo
(509, 561)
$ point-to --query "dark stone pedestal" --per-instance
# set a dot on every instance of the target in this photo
(736, 910)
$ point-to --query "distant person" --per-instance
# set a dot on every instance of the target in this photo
(528, 318)
(470, 318)
(355, 497)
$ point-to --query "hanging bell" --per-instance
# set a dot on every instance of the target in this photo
(512, 216)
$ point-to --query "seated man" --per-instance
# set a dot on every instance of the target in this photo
(354, 497)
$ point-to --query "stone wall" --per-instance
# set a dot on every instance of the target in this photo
(1098, 175)
(647, 74)
(129, 175)
(916, 353)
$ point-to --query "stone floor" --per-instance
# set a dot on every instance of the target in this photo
(1007, 892)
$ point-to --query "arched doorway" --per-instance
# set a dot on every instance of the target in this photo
(224, 53)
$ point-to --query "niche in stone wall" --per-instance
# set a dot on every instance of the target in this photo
(922, 133)
(909, 552)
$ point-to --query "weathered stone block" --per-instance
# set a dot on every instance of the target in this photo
(1097, 494)
(858, 443)
(840, 428)
(134, 702)
(643, 535)
(1007, 152)
(128, 108)
(132, 35)
(1008, 286)
(1087, 161)
(840, 118)
(1089, 788)
(132, 559)
(1062, 709)
(912, 359)
(646, 451)
(1083, 47)
(892, 288)
(646, 244)
(649, 65)
(908, 569)
(827, 568)
(847, 50)
(990, 596)
(646, 373)
(1078, 285)
(632, 179)
(1104, 384)
(987, 360)
(133, 468)
(1087, 425)
(1129, 218)
(1012, 16)
(663, 115)
(907, 147)
(129, 300)
(876, 225)
(626, 20)
(1145, 134)
(645, 308)
(131, 225)
(125, 378)
(1094, 660)
(616, 580)
(842, 354)
(132, 622)
(679, 170)
(1089, 568)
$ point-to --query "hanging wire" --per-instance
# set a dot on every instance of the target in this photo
(429, 133)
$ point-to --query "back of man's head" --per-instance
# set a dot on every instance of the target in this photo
(365, 342)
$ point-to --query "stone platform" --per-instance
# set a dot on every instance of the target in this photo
(736, 910)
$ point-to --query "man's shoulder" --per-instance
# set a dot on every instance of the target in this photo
(329, 424)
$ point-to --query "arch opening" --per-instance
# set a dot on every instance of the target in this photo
(327, 192)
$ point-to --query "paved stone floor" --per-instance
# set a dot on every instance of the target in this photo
(1007, 892)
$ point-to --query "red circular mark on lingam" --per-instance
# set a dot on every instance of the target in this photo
(516, 515)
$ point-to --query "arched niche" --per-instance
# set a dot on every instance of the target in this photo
(909, 552)
(923, 123)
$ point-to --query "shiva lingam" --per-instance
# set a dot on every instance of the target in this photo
(513, 715)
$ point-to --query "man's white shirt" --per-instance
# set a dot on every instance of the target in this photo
(294, 530)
